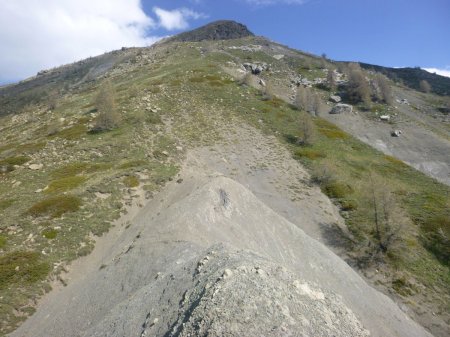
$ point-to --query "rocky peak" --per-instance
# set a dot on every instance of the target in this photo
(218, 30)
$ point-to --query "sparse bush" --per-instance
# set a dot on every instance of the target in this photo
(309, 153)
(108, 118)
(388, 218)
(308, 130)
(76, 168)
(55, 206)
(73, 133)
(131, 181)
(436, 237)
(349, 205)
(31, 268)
(307, 100)
(336, 189)
(7, 164)
(425, 86)
(323, 174)
(50, 233)
(331, 80)
(4, 204)
(3, 241)
(384, 91)
(357, 88)
(65, 184)
(334, 133)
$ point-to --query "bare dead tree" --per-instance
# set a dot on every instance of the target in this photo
(425, 86)
(385, 90)
(388, 218)
(108, 118)
(358, 88)
(308, 130)
(331, 80)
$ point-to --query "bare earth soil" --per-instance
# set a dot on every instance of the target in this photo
(222, 251)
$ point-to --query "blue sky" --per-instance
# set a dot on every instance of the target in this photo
(385, 32)
(41, 34)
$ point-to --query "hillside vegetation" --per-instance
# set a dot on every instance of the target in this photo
(172, 97)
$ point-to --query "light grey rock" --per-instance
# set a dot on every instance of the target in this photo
(335, 99)
(35, 167)
(167, 275)
(341, 108)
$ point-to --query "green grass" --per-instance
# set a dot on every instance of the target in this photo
(77, 168)
(329, 130)
(7, 164)
(30, 148)
(131, 181)
(55, 207)
(132, 163)
(65, 184)
(73, 133)
(22, 267)
(337, 189)
(309, 153)
(4, 204)
(50, 233)
(3, 241)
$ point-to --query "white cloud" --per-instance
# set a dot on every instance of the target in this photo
(39, 34)
(443, 72)
(177, 18)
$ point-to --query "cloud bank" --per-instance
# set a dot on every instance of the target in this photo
(443, 72)
(41, 34)
(177, 18)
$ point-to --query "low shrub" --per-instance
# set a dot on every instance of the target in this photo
(336, 189)
(131, 181)
(132, 163)
(50, 233)
(73, 133)
(7, 164)
(334, 133)
(309, 153)
(3, 241)
(55, 206)
(436, 237)
(77, 168)
(4, 204)
(349, 205)
(65, 184)
(22, 267)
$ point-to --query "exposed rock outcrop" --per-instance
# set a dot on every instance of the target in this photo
(218, 30)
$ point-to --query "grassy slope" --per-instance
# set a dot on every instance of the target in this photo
(194, 97)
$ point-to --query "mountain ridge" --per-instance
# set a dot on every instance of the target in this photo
(178, 97)
(217, 30)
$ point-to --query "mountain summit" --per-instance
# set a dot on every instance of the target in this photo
(218, 30)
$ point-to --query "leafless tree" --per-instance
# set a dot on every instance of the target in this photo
(358, 87)
(385, 90)
(108, 117)
(308, 130)
(388, 218)
(331, 80)
(425, 86)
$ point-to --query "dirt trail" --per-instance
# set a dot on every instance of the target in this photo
(265, 167)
